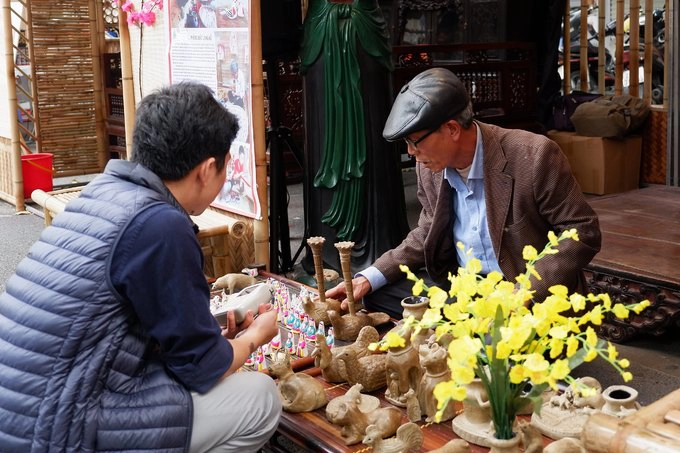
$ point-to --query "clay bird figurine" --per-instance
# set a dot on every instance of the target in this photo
(369, 371)
(318, 309)
(409, 437)
(299, 392)
(233, 282)
(332, 369)
(347, 327)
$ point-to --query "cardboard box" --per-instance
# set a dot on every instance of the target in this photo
(602, 165)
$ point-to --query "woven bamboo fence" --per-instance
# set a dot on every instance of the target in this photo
(64, 59)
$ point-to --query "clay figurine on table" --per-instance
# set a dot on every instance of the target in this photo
(353, 421)
(299, 392)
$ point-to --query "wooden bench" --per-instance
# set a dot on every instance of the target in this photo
(227, 239)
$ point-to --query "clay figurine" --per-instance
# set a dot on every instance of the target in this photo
(531, 437)
(318, 309)
(234, 282)
(412, 406)
(353, 421)
(347, 327)
(403, 365)
(369, 371)
(365, 403)
(474, 424)
(332, 369)
(565, 415)
(433, 359)
(409, 437)
(299, 392)
(453, 446)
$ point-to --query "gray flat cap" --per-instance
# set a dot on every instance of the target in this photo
(428, 100)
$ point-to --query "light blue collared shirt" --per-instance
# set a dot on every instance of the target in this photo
(470, 225)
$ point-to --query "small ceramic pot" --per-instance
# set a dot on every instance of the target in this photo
(620, 400)
(415, 306)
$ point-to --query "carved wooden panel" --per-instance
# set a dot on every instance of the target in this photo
(664, 312)
(499, 77)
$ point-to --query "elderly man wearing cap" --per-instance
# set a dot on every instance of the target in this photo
(493, 189)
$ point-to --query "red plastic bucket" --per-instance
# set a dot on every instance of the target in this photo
(37, 172)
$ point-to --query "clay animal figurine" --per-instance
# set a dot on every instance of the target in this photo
(572, 399)
(318, 309)
(299, 392)
(347, 327)
(332, 369)
(532, 439)
(353, 422)
(369, 371)
(234, 282)
(453, 446)
(433, 359)
(412, 406)
(365, 403)
(409, 437)
(402, 364)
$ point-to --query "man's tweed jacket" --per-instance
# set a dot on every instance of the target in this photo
(529, 191)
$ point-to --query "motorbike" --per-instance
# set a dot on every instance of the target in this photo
(658, 34)
(593, 60)
(658, 24)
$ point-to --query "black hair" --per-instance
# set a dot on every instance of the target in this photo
(179, 126)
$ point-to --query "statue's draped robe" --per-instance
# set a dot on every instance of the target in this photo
(354, 185)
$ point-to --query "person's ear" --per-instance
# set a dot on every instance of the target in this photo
(206, 170)
(454, 129)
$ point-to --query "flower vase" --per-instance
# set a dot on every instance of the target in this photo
(415, 306)
(504, 445)
(620, 400)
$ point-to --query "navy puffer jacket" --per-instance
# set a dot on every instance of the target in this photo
(77, 373)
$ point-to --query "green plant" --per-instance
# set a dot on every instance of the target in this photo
(507, 341)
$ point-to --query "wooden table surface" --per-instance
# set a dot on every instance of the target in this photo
(311, 431)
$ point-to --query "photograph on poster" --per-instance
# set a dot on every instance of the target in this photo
(209, 13)
(233, 76)
(238, 191)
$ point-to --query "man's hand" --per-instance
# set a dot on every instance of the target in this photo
(231, 330)
(360, 286)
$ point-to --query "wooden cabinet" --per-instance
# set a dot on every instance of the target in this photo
(415, 22)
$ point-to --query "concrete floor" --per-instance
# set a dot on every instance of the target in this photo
(655, 361)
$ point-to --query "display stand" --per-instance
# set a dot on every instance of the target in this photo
(277, 136)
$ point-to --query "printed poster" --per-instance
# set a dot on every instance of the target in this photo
(210, 43)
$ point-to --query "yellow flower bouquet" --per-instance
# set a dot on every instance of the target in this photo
(507, 342)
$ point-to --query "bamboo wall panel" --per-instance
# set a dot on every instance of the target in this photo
(6, 172)
(63, 61)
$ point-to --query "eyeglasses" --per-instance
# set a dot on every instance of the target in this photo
(414, 143)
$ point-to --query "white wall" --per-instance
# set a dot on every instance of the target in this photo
(4, 77)
(4, 104)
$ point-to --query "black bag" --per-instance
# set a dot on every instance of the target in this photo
(565, 106)
(610, 116)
